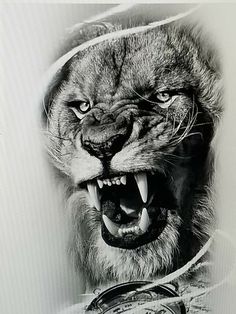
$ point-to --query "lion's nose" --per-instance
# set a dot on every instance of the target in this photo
(105, 149)
(104, 136)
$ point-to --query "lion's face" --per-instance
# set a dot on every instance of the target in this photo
(130, 124)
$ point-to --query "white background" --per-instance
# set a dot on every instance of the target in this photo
(35, 276)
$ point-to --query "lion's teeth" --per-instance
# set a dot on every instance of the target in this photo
(141, 179)
(123, 230)
(120, 232)
(110, 225)
(123, 180)
(144, 222)
(100, 183)
(93, 192)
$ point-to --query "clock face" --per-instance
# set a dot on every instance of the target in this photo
(125, 297)
(133, 305)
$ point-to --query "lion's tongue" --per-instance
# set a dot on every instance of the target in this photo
(123, 202)
(131, 206)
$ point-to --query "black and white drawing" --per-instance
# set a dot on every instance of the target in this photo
(130, 113)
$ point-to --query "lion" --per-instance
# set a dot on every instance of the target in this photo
(130, 123)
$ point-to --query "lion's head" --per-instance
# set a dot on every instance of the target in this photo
(129, 125)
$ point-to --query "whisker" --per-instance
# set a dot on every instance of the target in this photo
(144, 98)
(169, 162)
(49, 133)
(191, 121)
(65, 154)
(194, 133)
(175, 156)
(51, 153)
(175, 118)
(200, 124)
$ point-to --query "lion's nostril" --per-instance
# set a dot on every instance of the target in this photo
(105, 149)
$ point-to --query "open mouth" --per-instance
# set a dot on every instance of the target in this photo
(133, 207)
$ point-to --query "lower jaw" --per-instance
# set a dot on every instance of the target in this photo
(131, 240)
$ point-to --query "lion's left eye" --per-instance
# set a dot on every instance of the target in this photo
(84, 107)
(164, 99)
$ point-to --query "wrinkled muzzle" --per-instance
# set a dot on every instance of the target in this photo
(104, 134)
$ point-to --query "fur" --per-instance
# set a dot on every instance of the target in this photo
(171, 56)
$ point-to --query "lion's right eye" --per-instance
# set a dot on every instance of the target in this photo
(80, 108)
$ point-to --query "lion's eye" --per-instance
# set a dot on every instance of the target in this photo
(84, 107)
(164, 99)
(80, 108)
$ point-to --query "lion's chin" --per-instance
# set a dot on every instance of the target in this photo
(136, 264)
(132, 239)
(133, 208)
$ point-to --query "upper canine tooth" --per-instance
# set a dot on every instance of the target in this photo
(100, 183)
(141, 179)
(144, 222)
(123, 180)
(93, 192)
(111, 226)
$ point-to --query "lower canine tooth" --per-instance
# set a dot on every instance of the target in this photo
(144, 222)
(111, 226)
(93, 192)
